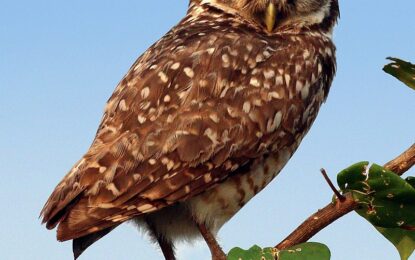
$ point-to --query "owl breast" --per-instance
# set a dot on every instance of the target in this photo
(275, 86)
(220, 203)
(216, 206)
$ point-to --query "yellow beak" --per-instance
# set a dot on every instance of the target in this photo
(270, 16)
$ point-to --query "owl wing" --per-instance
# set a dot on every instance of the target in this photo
(194, 109)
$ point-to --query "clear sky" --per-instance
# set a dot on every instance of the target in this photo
(60, 61)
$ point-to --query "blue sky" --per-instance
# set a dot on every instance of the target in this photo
(60, 61)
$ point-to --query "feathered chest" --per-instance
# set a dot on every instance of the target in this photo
(203, 102)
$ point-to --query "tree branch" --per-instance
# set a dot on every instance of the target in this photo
(319, 221)
(403, 162)
(338, 209)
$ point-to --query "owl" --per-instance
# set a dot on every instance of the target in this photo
(201, 123)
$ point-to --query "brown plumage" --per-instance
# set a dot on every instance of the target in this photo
(203, 121)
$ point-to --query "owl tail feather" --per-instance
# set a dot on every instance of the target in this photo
(79, 245)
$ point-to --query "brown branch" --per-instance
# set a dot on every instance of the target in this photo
(319, 221)
(337, 209)
(402, 163)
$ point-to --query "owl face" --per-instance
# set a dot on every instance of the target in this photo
(276, 14)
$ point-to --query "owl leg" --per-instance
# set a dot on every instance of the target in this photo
(215, 249)
(166, 246)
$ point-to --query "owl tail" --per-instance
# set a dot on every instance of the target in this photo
(79, 245)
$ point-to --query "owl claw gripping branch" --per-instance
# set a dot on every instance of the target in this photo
(201, 123)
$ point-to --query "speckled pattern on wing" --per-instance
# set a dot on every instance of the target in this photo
(210, 101)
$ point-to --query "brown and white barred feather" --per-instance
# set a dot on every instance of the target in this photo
(207, 116)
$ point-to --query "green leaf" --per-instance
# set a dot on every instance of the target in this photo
(403, 240)
(353, 177)
(402, 70)
(306, 251)
(254, 253)
(386, 200)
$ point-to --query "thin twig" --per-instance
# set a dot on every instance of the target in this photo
(337, 209)
(333, 188)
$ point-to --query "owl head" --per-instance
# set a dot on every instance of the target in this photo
(274, 15)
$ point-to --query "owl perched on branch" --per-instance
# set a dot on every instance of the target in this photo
(202, 122)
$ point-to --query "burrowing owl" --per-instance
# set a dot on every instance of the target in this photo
(202, 122)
